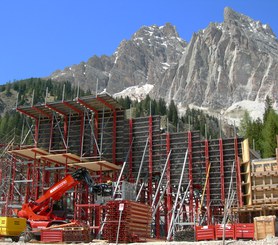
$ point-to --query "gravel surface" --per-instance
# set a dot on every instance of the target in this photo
(267, 241)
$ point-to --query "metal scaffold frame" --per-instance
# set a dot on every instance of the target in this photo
(92, 132)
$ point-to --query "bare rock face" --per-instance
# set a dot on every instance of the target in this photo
(225, 63)
(145, 57)
(87, 74)
(140, 60)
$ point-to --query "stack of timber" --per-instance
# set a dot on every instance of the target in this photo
(135, 221)
(265, 181)
(71, 232)
(264, 226)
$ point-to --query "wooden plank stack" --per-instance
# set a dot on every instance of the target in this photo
(70, 232)
(265, 182)
(264, 226)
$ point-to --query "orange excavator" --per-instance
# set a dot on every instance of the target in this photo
(40, 213)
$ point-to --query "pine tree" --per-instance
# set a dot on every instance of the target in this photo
(162, 108)
(173, 113)
(245, 124)
(268, 107)
(269, 132)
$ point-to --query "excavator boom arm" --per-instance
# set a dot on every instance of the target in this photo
(37, 209)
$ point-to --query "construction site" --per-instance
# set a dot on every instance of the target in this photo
(85, 170)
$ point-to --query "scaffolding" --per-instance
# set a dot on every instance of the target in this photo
(92, 132)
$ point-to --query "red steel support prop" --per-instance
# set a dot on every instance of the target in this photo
(169, 203)
(209, 221)
(51, 133)
(157, 216)
(222, 180)
(35, 178)
(130, 153)
(27, 189)
(66, 131)
(81, 115)
(11, 191)
(150, 159)
(36, 132)
(97, 219)
(190, 173)
(95, 117)
(114, 137)
(52, 123)
(238, 177)
(82, 122)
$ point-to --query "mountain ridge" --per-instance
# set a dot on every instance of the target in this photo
(221, 66)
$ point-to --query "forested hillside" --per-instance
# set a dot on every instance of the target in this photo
(30, 91)
(33, 91)
(261, 133)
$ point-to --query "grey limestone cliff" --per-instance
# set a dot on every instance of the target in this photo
(225, 63)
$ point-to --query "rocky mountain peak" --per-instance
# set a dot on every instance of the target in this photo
(145, 57)
(159, 37)
(154, 31)
(222, 65)
(233, 18)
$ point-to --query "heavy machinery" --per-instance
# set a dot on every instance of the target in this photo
(40, 213)
(12, 227)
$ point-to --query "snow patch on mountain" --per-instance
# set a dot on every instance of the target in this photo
(236, 112)
(135, 92)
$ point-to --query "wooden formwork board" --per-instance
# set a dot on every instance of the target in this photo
(246, 174)
(264, 181)
(264, 226)
(265, 165)
(265, 196)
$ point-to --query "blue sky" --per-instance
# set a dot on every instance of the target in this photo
(41, 36)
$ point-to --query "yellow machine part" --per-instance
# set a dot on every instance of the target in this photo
(10, 226)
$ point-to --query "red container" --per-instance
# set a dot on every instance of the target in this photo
(205, 232)
(51, 235)
(244, 231)
(229, 231)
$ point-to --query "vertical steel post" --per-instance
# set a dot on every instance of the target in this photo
(97, 219)
(130, 174)
(36, 177)
(209, 221)
(114, 139)
(161, 178)
(12, 180)
(81, 136)
(96, 151)
(141, 164)
(28, 177)
(51, 132)
(169, 201)
(36, 132)
(157, 215)
(66, 132)
(190, 173)
(238, 177)
(177, 197)
(222, 174)
(150, 159)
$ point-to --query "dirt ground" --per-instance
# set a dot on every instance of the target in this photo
(267, 241)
